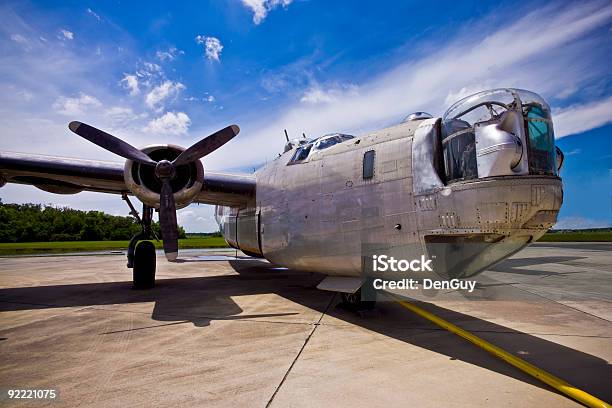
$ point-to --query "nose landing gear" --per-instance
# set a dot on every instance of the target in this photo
(362, 300)
(354, 303)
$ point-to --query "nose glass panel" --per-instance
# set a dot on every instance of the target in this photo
(460, 143)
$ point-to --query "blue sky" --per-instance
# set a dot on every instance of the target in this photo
(173, 72)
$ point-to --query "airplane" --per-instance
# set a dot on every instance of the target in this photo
(469, 189)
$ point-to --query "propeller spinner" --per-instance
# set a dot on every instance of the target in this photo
(165, 170)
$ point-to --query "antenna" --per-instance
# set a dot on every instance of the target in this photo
(286, 135)
(304, 134)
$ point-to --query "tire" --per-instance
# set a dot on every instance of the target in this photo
(144, 266)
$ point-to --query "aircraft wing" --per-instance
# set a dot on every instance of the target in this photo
(63, 175)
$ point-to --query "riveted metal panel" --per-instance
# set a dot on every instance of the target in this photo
(449, 220)
(427, 202)
(490, 214)
(537, 192)
(519, 211)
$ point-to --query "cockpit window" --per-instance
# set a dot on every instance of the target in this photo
(459, 137)
(542, 153)
(301, 153)
(329, 140)
(325, 143)
(319, 143)
(459, 150)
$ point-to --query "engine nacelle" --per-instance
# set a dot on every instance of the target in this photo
(140, 179)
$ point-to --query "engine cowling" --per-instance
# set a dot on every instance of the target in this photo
(141, 180)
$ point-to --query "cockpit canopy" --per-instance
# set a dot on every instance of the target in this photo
(319, 143)
(463, 121)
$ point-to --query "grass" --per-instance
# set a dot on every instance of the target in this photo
(577, 236)
(198, 241)
(26, 248)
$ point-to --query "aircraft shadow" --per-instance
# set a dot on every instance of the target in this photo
(514, 265)
(590, 246)
(199, 300)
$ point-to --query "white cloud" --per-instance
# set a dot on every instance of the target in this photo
(580, 118)
(131, 82)
(169, 55)
(567, 92)
(67, 35)
(317, 94)
(160, 93)
(122, 116)
(150, 69)
(149, 74)
(197, 218)
(206, 98)
(260, 8)
(119, 110)
(455, 96)
(94, 14)
(18, 38)
(24, 42)
(75, 106)
(543, 51)
(171, 123)
(274, 83)
(212, 46)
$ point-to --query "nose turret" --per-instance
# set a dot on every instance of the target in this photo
(502, 132)
(486, 183)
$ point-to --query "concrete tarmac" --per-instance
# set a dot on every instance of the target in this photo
(218, 331)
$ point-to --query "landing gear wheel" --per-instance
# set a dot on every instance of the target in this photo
(144, 266)
(353, 302)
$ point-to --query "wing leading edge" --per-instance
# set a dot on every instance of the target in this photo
(63, 175)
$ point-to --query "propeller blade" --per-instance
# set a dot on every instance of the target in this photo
(167, 220)
(207, 145)
(110, 143)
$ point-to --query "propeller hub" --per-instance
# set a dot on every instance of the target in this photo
(164, 169)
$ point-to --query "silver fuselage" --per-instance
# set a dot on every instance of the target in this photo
(322, 215)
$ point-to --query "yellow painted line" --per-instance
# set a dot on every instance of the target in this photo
(555, 382)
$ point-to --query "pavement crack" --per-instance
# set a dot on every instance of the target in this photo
(314, 328)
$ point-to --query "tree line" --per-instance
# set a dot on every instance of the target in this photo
(38, 223)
